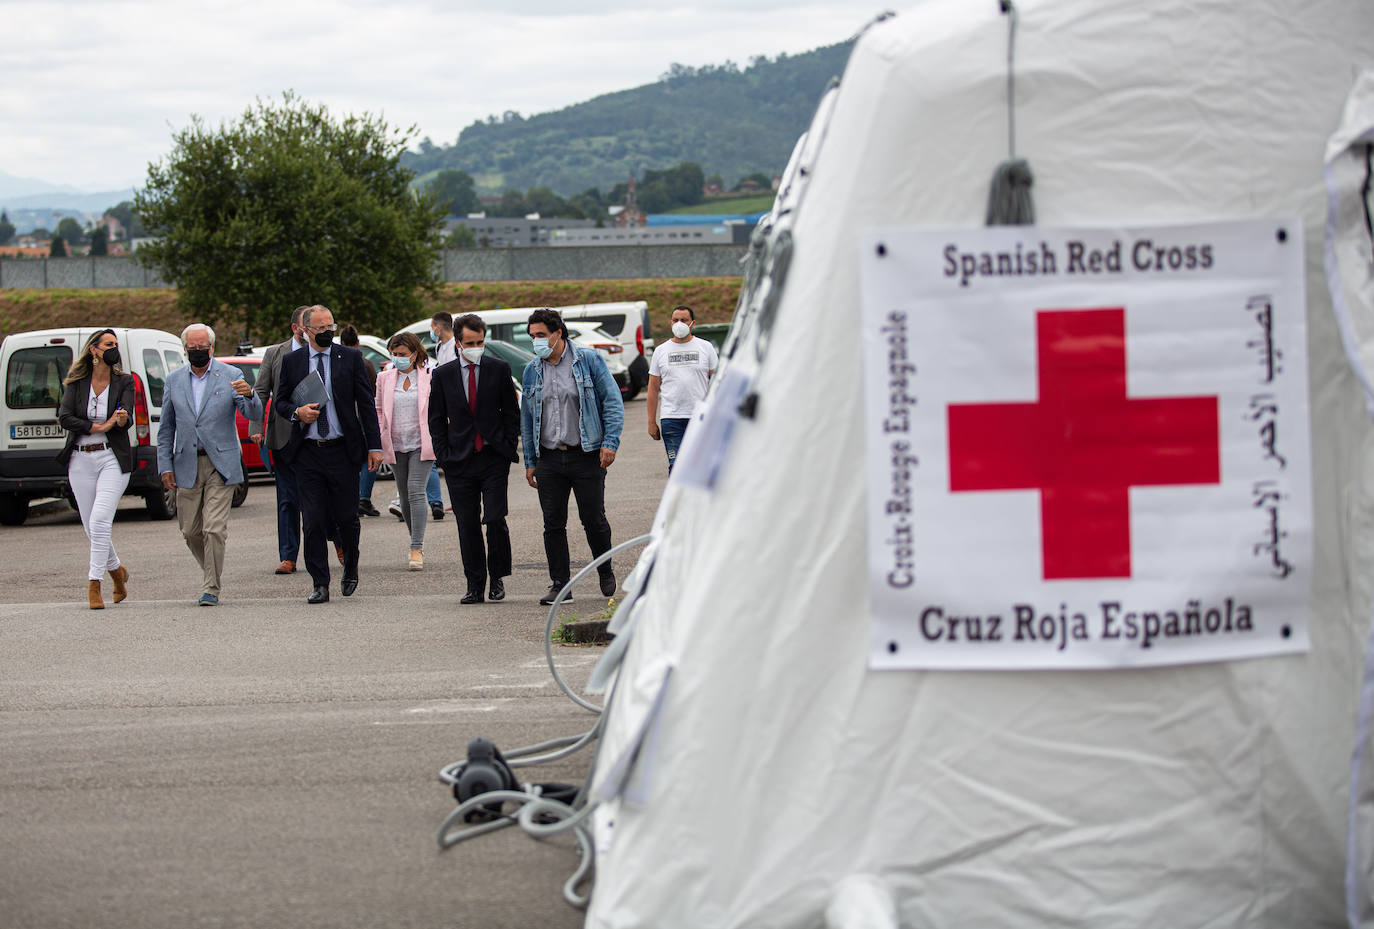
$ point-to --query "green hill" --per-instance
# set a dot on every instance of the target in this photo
(729, 120)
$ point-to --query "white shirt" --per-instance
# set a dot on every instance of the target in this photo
(467, 364)
(405, 414)
(95, 412)
(198, 382)
(446, 352)
(684, 368)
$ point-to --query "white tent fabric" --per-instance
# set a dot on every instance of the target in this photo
(1350, 272)
(777, 765)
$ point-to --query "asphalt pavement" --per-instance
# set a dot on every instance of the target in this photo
(266, 763)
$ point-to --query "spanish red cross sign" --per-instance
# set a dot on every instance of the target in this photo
(1086, 448)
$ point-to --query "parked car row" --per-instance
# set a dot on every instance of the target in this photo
(617, 330)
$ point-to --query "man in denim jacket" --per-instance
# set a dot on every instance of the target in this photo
(570, 420)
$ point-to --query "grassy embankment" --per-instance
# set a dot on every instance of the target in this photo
(713, 298)
(731, 205)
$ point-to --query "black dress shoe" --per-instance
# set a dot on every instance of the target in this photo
(318, 595)
(347, 586)
(365, 508)
(436, 510)
(548, 598)
(608, 583)
(472, 596)
(498, 590)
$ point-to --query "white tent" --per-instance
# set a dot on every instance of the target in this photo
(777, 763)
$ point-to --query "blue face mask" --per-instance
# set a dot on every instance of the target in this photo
(402, 362)
(541, 348)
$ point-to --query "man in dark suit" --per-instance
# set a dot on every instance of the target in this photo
(474, 423)
(277, 432)
(328, 445)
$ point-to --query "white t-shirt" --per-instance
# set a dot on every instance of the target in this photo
(446, 352)
(684, 368)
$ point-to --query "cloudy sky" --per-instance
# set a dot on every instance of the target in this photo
(95, 88)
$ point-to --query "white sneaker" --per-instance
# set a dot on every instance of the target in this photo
(395, 509)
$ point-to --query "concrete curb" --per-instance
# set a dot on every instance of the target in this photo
(587, 632)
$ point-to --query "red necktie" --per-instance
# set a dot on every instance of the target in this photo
(472, 404)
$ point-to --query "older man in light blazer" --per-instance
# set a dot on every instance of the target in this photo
(198, 452)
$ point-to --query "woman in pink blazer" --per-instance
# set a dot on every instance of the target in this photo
(403, 415)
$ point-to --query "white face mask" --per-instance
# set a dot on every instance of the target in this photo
(681, 330)
(473, 354)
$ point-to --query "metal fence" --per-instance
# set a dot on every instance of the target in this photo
(565, 263)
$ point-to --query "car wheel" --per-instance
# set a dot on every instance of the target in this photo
(14, 509)
(240, 494)
(629, 392)
(384, 472)
(162, 504)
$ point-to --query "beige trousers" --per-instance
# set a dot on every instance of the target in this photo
(203, 514)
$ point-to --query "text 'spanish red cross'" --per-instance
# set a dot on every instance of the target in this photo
(1083, 444)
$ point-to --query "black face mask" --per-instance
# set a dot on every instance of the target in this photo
(200, 357)
(322, 339)
(110, 356)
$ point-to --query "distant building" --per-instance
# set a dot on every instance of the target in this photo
(114, 229)
(508, 232)
(718, 234)
(631, 216)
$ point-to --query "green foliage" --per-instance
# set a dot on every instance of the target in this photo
(131, 221)
(461, 237)
(751, 204)
(58, 248)
(70, 231)
(454, 191)
(733, 121)
(99, 241)
(289, 206)
(6, 228)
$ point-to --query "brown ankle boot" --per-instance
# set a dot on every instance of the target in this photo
(93, 592)
(120, 575)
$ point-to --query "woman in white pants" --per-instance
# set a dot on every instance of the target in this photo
(95, 411)
(402, 414)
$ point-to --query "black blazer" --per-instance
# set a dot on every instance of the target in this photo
(72, 415)
(451, 420)
(352, 408)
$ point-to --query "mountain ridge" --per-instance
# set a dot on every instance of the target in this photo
(730, 121)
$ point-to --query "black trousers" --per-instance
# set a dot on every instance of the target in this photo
(327, 481)
(579, 473)
(477, 490)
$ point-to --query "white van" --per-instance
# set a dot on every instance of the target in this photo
(30, 437)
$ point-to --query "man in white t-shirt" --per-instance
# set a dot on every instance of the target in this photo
(678, 375)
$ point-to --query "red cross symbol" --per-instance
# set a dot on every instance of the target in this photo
(1083, 444)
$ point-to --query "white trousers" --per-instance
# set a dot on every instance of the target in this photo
(97, 483)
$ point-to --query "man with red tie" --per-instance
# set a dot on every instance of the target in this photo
(474, 423)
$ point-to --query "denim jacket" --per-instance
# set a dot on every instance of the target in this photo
(602, 411)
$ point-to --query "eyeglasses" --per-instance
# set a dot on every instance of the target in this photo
(330, 328)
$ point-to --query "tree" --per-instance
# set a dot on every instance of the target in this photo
(290, 206)
(70, 230)
(512, 204)
(461, 237)
(131, 221)
(6, 228)
(58, 248)
(454, 191)
(99, 241)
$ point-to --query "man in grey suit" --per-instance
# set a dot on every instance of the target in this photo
(278, 432)
(198, 453)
